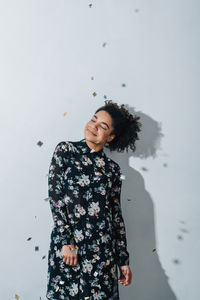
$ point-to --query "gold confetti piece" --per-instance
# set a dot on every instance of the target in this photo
(16, 296)
(87, 297)
(107, 262)
(94, 255)
(106, 206)
(76, 222)
(66, 226)
(92, 77)
(64, 114)
(94, 94)
(97, 230)
(57, 288)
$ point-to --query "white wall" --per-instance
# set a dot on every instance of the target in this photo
(49, 50)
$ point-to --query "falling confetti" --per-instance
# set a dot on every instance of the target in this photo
(183, 222)
(176, 261)
(46, 199)
(136, 10)
(29, 238)
(165, 165)
(16, 296)
(90, 5)
(36, 248)
(184, 230)
(40, 143)
(92, 77)
(179, 237)
(64, 114)
(123, 84)
(105, 96)
(129, 199)
(43, 257)
(154, 249)
(144, 169)
(35, 217)
(94, 94)
(104, 44)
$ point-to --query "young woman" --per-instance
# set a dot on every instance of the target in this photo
(88, 240)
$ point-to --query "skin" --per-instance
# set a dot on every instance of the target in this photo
(97, 132)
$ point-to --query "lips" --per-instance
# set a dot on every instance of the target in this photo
(91, 132)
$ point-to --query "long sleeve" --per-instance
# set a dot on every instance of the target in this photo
(56, 187)
(118, 222)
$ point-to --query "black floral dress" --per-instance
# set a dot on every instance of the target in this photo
(84, 189)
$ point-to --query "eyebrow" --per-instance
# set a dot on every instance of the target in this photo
(102, 122)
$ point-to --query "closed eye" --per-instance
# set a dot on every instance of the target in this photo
(101, 126)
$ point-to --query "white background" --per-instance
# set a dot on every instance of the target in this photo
(49, 50)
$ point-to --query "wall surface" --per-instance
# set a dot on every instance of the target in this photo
(49, 51)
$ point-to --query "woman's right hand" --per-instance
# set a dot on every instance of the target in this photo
(69, 256)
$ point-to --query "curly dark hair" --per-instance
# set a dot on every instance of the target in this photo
(126, 126)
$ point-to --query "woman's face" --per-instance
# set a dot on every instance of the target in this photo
(99, 128)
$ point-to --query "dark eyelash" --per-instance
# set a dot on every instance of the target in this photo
(101, 126)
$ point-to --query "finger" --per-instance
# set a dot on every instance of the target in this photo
(75, 260)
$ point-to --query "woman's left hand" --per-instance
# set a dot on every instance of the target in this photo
(125, 275)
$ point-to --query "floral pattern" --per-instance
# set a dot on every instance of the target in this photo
(84, 190)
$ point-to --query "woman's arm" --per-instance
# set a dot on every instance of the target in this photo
(118, 222)
(56, 188)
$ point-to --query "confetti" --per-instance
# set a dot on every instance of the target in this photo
(104, 44)
(122, 176)
(16, 296)
(94, 94)
(184, 230)
(57, 288)
(105, 96)
(129, 199)
(46, 199)
(176, 261)
(144, 169)
(123, 84)
(64, 114)
(40, 143)
(28, 239)
(92, 77)
(136, 10)
(43, 257)
(36, 248)
(154, 249)
(62, 282)
(66, 226)
(90, 5)
(95, 273)
(179, 237)
(165, 165)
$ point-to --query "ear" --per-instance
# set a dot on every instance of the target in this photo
(111, 137)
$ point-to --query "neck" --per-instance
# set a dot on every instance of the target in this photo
(94, 146)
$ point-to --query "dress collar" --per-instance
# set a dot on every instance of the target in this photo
(86, 149)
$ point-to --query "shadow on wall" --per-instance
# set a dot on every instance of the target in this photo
(149, 281)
